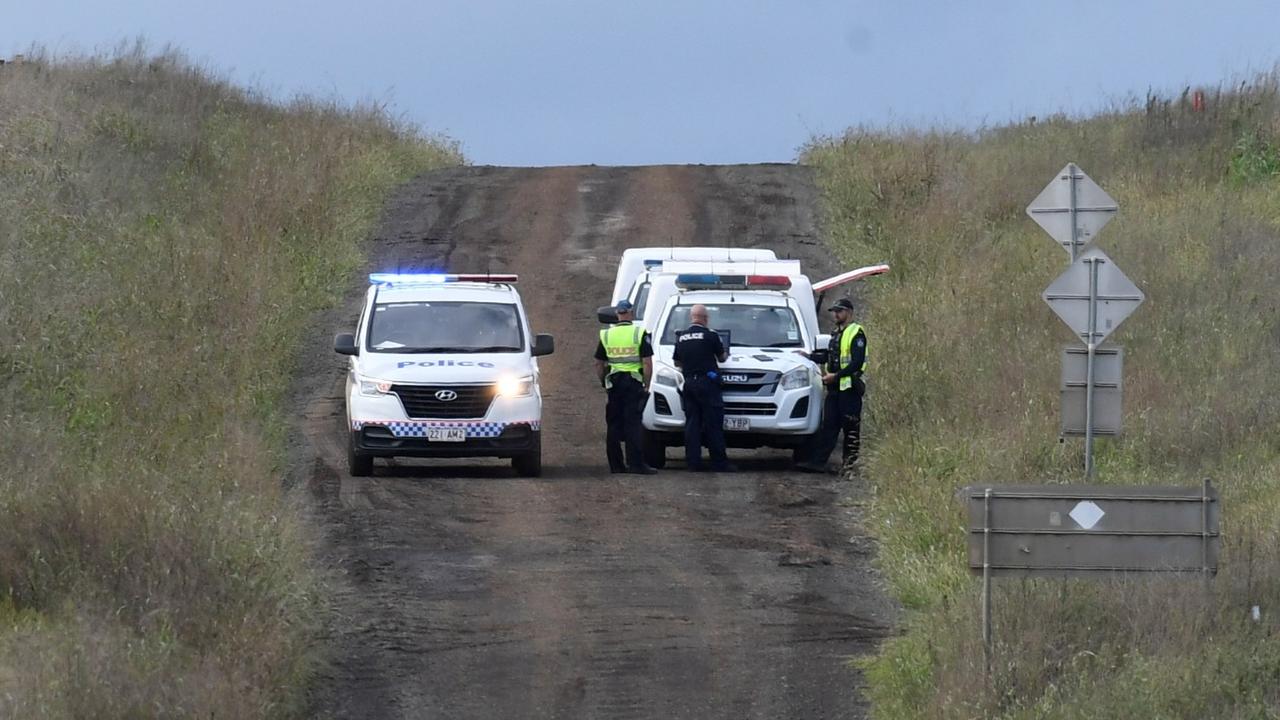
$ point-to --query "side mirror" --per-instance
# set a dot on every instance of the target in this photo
(607, 315)
(543, 345)
(819, 354)
(345, 344)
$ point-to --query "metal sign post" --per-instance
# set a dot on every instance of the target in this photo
(1092, 296)
(1088, 383)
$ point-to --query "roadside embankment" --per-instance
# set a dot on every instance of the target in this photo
(164, 238)
(965, 375)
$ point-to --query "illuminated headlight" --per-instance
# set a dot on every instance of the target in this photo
(796, 379)
(374, 388)
(514, 386)
(666, 377)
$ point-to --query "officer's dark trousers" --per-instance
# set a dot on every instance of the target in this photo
(703, 422)
(623, 413)
(841, 411)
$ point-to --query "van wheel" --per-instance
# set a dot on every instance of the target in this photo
(358, 464)
(529, 464)
(653, 449)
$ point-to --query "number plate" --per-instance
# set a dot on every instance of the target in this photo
(737, 424)
(447, 434)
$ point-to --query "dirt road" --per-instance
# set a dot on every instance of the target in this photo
(469, 593)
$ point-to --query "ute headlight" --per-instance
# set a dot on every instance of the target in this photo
(511, 386)
(666, 377)
(374, 388)
(796, 379)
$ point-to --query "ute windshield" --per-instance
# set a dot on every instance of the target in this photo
(748, 325)
(445, 327)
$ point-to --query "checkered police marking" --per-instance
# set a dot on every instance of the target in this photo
(418, 428)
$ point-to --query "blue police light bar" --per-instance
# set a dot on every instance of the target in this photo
(652, 263)
(436, 278)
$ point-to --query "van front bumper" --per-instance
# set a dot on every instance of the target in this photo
(409, 439)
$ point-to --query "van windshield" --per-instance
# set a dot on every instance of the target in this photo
(748, 325)
(445, 327)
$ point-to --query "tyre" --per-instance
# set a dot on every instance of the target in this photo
(653, 449)
(358, 464)
(529, 464)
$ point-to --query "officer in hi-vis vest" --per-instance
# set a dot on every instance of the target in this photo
(624, 363)
(846, 361)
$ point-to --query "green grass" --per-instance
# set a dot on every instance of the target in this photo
(164, 238)
(964, 390)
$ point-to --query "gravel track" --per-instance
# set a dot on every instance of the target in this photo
(466, 592)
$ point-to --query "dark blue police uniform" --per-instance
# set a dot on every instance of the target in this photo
(698, 352)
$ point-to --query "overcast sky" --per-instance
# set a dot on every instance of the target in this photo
(524, 82)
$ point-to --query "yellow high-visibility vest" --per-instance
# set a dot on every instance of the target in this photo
(846, 353)
(622, 347)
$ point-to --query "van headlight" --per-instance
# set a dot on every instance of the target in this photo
(511, 386)
(666, 377)
(374, 388)
(796, 379)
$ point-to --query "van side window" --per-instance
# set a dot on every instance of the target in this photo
(642, 300)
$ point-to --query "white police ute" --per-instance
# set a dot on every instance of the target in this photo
(443, 365)
(772, 380)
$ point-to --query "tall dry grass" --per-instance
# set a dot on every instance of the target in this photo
(164, 237)
(964, 390)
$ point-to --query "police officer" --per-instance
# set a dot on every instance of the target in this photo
(624, 364)
(846, 361)
(699, 352)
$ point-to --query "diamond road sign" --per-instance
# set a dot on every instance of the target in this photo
(1086, 514)
(1116, 296)
(1072, 195)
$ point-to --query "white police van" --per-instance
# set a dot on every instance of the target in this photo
(773, 395)
(638, 266)
(443, 365)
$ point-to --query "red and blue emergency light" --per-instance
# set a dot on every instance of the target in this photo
(694, 281)
(433, 278)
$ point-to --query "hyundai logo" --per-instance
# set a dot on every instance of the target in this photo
(446, 395)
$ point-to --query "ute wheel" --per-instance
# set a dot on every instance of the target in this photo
(529, 464)
(653, 449)
(358, 464)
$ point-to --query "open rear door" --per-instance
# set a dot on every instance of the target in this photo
(824, 285)
(821, 287)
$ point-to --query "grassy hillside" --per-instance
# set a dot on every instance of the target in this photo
(163, 238)
(964, 390)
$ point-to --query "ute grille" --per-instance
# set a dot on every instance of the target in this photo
(741, 408)
(420, 401)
